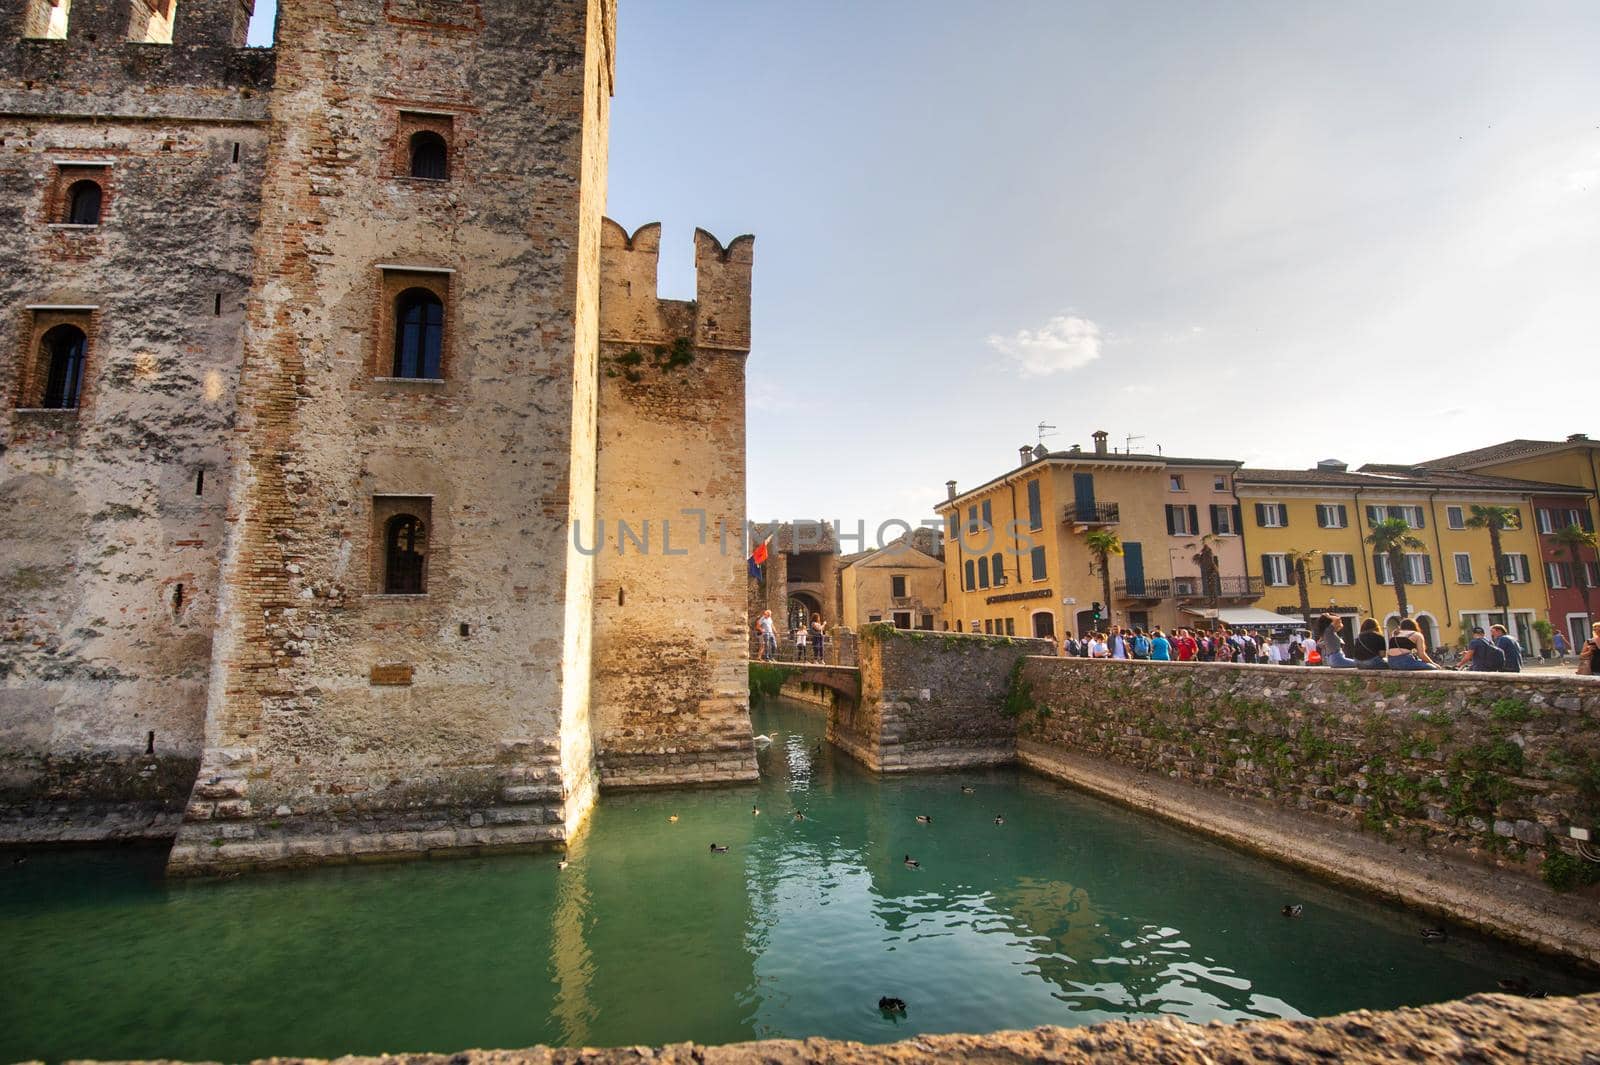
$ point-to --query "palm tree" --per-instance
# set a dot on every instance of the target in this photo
(1299, 563)
(1494, 519)
(1102, 545)
(1210, 569)
(1390, 538)
(1575, 539)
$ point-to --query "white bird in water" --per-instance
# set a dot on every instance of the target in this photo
(763, 741)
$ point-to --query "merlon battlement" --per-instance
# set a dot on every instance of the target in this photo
(108, 46)
(631, 311)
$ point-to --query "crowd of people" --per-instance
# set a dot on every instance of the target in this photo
(1404, 647)
(1223, 644)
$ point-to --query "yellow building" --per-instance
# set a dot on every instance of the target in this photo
(901, 583)
(1574, 463)
(1016, 560)
(1450, 576)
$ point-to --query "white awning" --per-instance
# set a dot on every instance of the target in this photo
(1247, 616)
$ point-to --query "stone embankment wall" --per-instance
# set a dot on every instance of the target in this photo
(931, 700)
(1450, 792)
(1493, 768)
(1484, 1028)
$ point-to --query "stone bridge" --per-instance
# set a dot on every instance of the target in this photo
(918, 700)
(843, 681)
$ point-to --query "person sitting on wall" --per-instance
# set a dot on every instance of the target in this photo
(1407, 649)
(1589, 653)
(1482, 656)
(1371, 649)
(1331, 646)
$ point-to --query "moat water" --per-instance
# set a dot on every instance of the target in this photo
(1071, 912)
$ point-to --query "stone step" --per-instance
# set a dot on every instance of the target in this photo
(531, 793)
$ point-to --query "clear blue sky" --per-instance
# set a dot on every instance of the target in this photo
(1270, 231)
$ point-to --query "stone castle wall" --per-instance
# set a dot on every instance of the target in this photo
(194, 622)
(342, 718)
(112, 515)
(671, 692)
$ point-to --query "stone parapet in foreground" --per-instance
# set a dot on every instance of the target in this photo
(1482, 1029)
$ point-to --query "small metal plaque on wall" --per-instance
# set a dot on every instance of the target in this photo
(391, 676)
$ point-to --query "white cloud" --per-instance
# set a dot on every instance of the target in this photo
(1065, 342)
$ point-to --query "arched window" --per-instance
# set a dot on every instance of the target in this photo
(418, 334)
(430, 156)
(83, 203)
(405, 541)
(62, 356)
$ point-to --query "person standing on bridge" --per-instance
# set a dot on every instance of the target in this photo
(800, 640)
(769, 637)
(817, 631)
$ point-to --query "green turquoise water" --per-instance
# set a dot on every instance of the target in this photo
(1073, 911)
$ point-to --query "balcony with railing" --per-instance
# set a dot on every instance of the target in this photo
(1221, 588)
(1093, 514)
(1153, 588)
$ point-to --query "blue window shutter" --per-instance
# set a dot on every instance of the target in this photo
(1133, 566)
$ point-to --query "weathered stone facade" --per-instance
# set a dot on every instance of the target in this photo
(112, 513)
(672, 698)
(194, 576)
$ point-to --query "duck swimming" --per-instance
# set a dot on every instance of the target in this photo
(763, 741)
(1434, 935)
(562, 864)
(999, 820)
(912, 863)
(673, 818)
(889, 1004)
(924, 819)
(719, 848)
(968, 789)
(1293, 911)
(755, 811)
(798, 816)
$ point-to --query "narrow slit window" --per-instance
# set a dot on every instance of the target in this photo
(199, 482)
(177, 600)
(63, 355)
(236, 149)
(216, 306)
(418, 334)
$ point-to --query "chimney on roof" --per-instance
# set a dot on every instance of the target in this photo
(1577, 437)
(949, 489)
(1332, 466)
(1026, 453)
(1100, 438)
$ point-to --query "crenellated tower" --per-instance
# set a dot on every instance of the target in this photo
(671, 696)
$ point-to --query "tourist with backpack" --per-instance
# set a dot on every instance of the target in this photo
(1482, 655)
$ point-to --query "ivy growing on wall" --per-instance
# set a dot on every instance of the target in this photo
(631, 365)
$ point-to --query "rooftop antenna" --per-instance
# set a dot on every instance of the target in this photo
(1127, 444)
(1046, 430)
